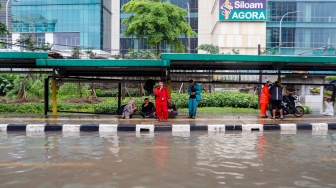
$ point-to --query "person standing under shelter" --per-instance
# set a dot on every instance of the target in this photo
(276, 97)
(194, 90)
(264, 99)
(162, 98)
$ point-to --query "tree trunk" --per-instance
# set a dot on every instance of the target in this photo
(22, 96)
(158, 50)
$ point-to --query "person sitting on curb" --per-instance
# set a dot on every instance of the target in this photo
(129, 110)
(172, 110)
(147, 109)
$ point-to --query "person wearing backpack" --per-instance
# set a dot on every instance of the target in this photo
(276, 97)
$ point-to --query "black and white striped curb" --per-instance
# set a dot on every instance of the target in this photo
(157, 128)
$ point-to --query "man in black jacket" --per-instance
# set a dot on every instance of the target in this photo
(148, 109)
(276, 97)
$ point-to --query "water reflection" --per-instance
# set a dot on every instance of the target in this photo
(197, 159)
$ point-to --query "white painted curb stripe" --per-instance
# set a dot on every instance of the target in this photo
(216, 128)
(108, 127)
(181, 128)
(319, 126)
(71, 128)
(35, 128)
(3, 127)
(249, 127)
(144, 126)
(288, 127)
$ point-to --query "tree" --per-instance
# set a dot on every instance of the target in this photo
(158, 22)
(76, 52)
(3, 27)
(140, 54)
(27, 41)
(210, 48)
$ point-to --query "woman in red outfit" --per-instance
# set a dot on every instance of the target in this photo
(264, 99)
(162, 97)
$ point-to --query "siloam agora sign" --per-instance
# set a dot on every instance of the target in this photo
(242, 10)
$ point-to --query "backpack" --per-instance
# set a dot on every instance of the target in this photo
(121, 109)
(149, 86)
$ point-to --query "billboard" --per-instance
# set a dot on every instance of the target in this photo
(242, 10)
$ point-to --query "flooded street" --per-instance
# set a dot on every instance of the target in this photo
(197, 159)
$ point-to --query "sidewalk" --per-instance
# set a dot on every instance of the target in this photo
(88, 122)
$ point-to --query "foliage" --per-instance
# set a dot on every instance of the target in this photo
(73, 90)
(17, 85)
(91, 54)
(76, 52)
(269, 52)
(216, 99)
(117, 56)
(210, 48)
(30, 108)
(6, 83)
(234, 51)
(327, 92)
(307, 109)
(27, 41)
(140, 54)
(329, 78)
(45, 47)
(34, 85)
(158, 22)
(114, 92)
(3, 29)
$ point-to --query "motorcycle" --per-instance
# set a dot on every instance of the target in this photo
(290, 105)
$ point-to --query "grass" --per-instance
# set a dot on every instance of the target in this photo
(224, 110)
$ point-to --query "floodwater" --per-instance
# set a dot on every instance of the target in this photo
(196, 159)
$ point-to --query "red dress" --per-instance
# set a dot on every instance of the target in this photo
(264, 99)
(161, 100)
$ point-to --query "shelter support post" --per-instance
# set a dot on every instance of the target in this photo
(119, 95)
(46, 96)
(168, 81)
(333, 95)
(54, 99)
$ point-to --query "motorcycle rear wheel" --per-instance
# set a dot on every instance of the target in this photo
(299, 111)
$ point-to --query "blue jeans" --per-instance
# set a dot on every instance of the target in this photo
(192, 107)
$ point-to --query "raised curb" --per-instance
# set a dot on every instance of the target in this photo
(314, 127)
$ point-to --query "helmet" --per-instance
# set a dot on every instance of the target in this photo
(269, 83)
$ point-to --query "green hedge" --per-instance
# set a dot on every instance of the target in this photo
(31, 108)
(109, 105)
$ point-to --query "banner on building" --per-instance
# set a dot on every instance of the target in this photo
(242, 10)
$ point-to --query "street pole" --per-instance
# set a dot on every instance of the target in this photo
(189, 24)
(280, 36)
(7, 21)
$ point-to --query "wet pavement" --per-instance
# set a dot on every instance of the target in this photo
(201, 159)
(202, 119)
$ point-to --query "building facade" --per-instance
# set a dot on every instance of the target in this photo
(307, 26)
(127, 43)
(308, 30)
(64, 23)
